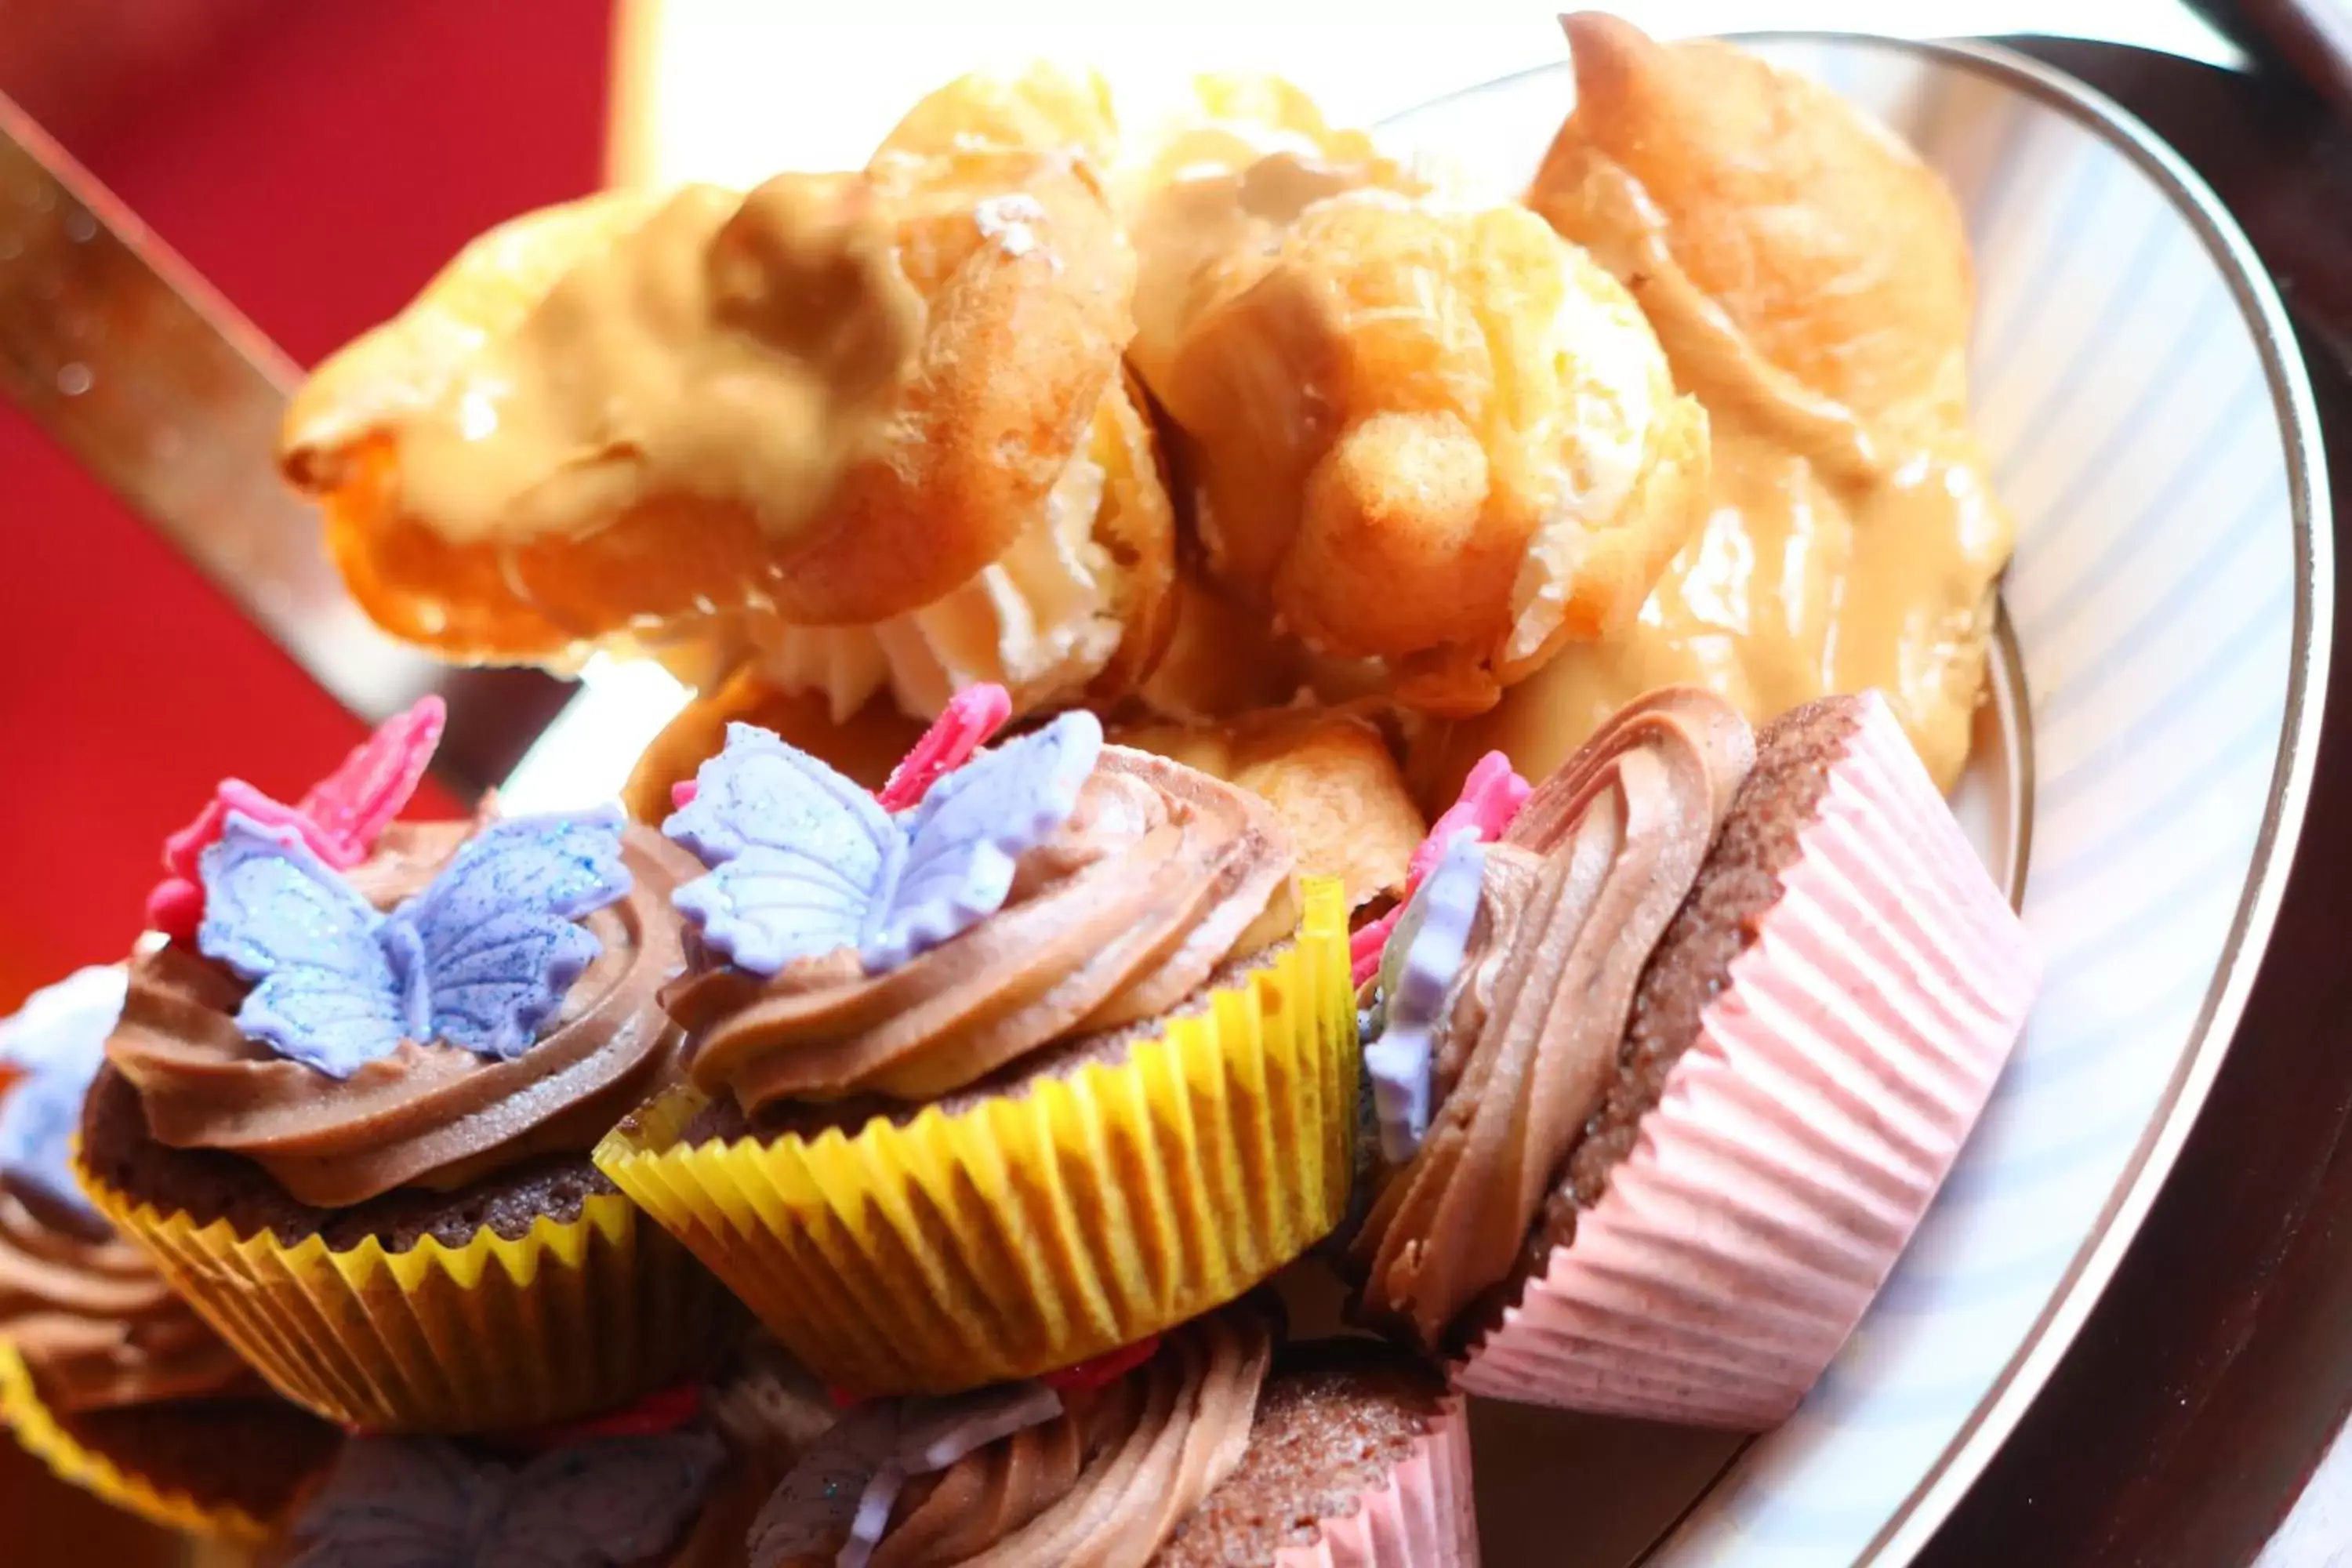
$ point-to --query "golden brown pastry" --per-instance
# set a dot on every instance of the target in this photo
(1327, 774)
(889, 401)
(1416, 430)
(1810, 279)
(1078, 606)
(865, 747)
(1044, 109)
(1226, 657)
(1429, 435)
(1209, 193)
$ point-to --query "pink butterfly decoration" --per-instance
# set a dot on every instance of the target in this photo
(1491, 797)
(340, 817)
(970, 719)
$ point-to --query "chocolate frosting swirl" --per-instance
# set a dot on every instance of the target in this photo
(1160, 876)
(1105, 1483)
(92, 1319)
(1575, 896)
(429, 1114)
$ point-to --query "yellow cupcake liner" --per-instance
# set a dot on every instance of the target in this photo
(569, 1320)
(36, 1428)
(1037, 1230)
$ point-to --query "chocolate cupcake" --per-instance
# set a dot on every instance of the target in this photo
(654, 1500)
(350, 1119)
(1216, 1448)
(1043, 1064)
(1671, 1069)
(1357, 1459)
(104, 1375)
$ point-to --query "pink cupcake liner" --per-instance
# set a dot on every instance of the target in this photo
(1801, 1136)
(1421, 1517)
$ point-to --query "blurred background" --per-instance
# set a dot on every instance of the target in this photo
(319, 161)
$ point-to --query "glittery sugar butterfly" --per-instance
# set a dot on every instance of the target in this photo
(481, 959)
(803, 862)
(1418, 970)
(53, 1046)
(339, 817)
(970, 720)
(414, 1502)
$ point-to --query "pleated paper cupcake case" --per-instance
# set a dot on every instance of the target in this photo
(38, 1430)
(571, 1319)
(1801, 1136)
(1421, 1515)
(1037, 1230)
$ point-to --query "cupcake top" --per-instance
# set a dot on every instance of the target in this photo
(627, 1501)
(1569, 901)
(1216, 1448)
(86, 1309)
(1050, 887)
(1028, 1472)
(450, 1000)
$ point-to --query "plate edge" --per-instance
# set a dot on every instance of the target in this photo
(1997, 1413)
(1931, 1502)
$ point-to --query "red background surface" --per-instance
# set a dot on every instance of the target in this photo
(317, 162)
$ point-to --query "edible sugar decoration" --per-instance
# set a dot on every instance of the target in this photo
(804, 863)
(840, 1492)
(608, 1502)
(968, 721)
(53, 1046)
(1491, 797)
(339, 818)
(664, 1410)
(1083, 1377)
(1417, 974)
(479, 958)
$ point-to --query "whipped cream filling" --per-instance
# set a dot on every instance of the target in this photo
(1606, 354)
(1039, 621)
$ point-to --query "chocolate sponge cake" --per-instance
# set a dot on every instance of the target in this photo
(1355, 1454)
(1738, 884)
(1669, 1157)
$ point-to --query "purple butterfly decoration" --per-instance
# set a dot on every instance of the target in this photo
(57, 1043)
(420, 1502)
(802, 862)
(479, 959)
(1418, 969)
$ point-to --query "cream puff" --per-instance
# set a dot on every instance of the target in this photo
(1330, 778)
(1430, 435)
(1046, 107)
(1809, 276)
(869, 430)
